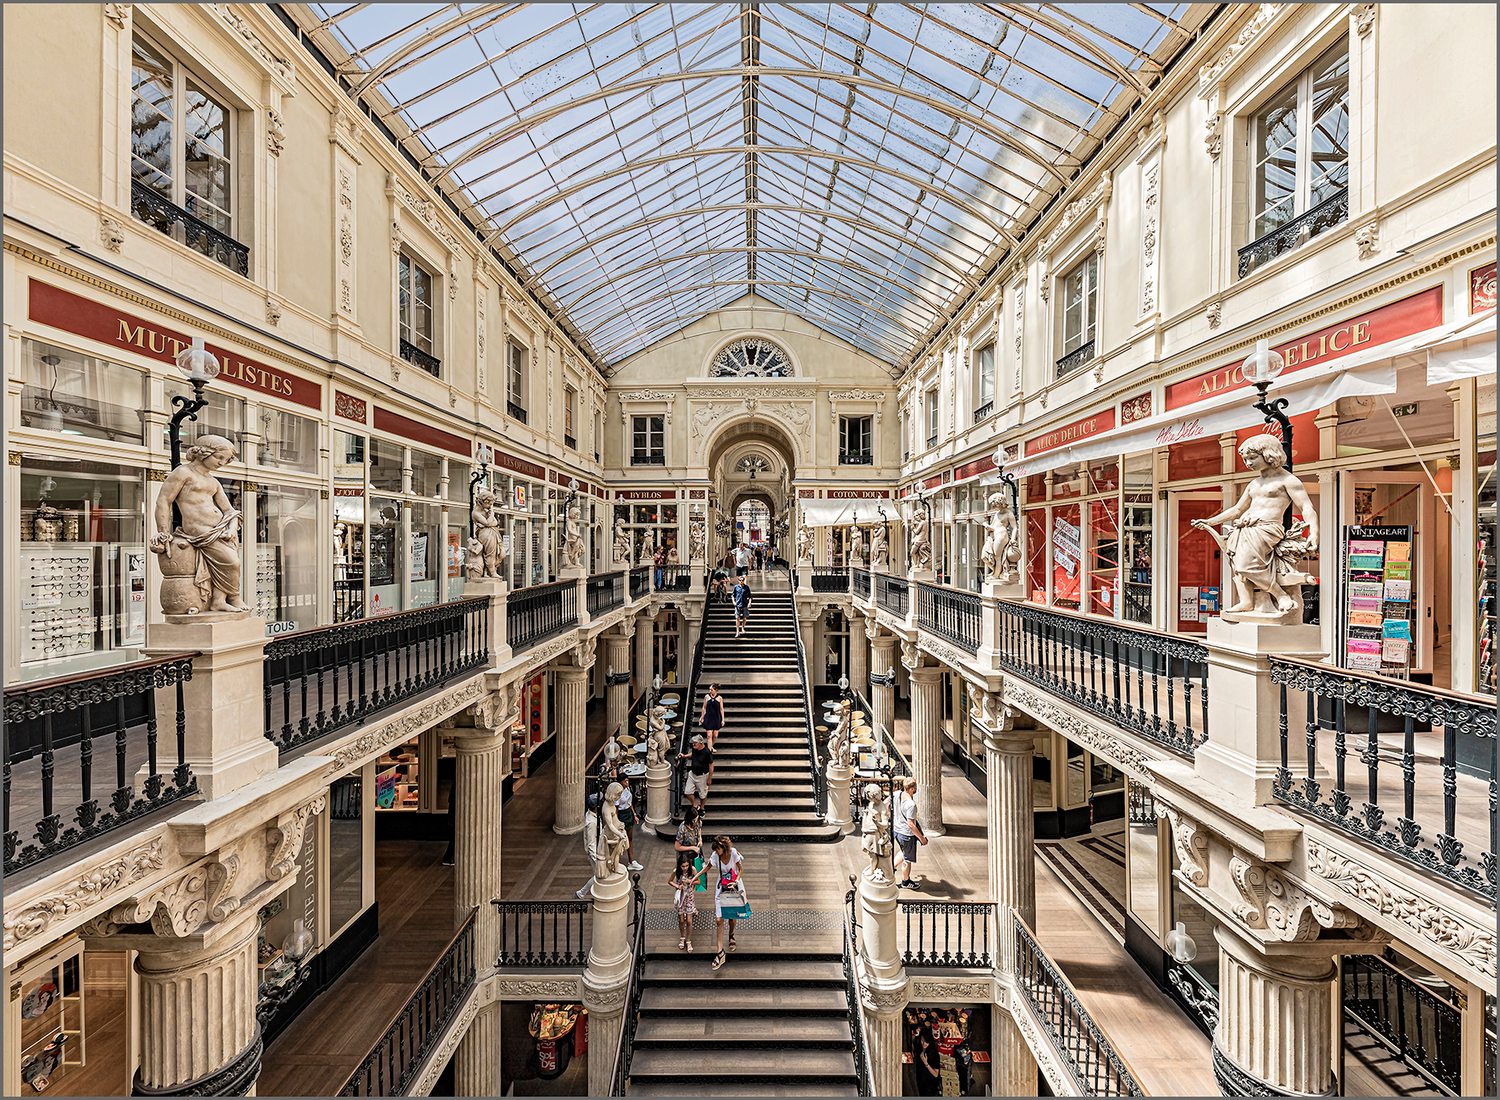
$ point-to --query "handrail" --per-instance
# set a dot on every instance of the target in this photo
(411, 613)
(948, 934)
(1095, 1065)
(72, 700)
(1387, 684)
(820, 780)
(413, 1049)
(864, 1069)
(625, 1049)
(554, 933)
(689, 698)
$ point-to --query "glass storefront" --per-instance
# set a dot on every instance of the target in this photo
(288, 547)
(79, 395)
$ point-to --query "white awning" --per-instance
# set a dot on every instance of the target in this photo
(1465, 350)
(843, 513)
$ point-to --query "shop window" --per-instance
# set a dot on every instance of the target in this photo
(348, 526)
(570, 417)
(386, 460)
(287, 553)
(182, 168)
(1103, 517)
(288, 441)
(426, 474)
(426, 550)
(416, 303)
(856, 440)
(385, 556)
(1136, 533)
(76, 394)
(1143, 857)
(82, 560)
(515, 381)
(930, 411)
(1485, 518)
(1067, 557)
(598, 437)
(648, 440)
(1080, 293)
(1199, 458)
(1036, 554)
(346, 847)
(1301, 161)
(984, 372)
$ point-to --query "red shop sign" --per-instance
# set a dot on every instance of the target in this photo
(1409, 315)
(515, 465)
(972, 469)
(1482, 288)
(857, 494)
(646, 494)
(1101, 421)
(51, 305)
(419, 432)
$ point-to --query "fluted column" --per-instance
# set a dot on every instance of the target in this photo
(883, 984)
(1012, 884)
(199, 1035)
(572, 754)
(927, 746)
(605, 977)
(616, 696)
(859, 655)
(479, 768)
(883, 1037)
(883, 697)
(645, 656)
(1275, 1018)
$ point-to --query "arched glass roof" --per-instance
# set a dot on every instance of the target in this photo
(643, 165)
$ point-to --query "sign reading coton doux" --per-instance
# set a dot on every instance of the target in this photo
(51, 305)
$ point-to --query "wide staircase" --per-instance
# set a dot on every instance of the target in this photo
(764, 1025)
(763, 770)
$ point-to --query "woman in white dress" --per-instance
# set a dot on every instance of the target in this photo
(724, 866)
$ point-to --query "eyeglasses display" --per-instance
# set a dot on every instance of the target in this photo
(57, 590)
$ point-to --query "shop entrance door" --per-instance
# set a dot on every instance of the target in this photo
(1197, 563)
(1396, 498)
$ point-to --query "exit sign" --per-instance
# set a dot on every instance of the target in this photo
(1405, 410)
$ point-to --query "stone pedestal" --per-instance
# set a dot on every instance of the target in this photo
(499, 593)
(658, 794)
(223, 705)
(605, 977)
(1244, 706)
(1275, 1034)
(616, 696)
(927, 747)
(572, 698)
(804, 578)
(838, 796)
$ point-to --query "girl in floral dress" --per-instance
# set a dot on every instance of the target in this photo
(683, 881)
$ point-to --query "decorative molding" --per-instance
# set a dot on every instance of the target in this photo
(1060, 1079)
(1213, 133)
(284, 837)
(882, 1001)
(835, 396)
(218, 887)
(275, 132)
(273, 311)
(85, 889)
(371, 742)
(1215, 314)
(753, 391)
(606, 1000)
(426, 212)
(1094, 738)
(111, 232)
(1073, 213)
(1189, 841)
(1364, 18)
(1469, 942)
(280, 68)
(981, 990)
(118, 14)
(1211, 74)
(1150, 236)
(1274, 904)
(1367, 240)
(645, 395)
(537, 989)
(442, 1054)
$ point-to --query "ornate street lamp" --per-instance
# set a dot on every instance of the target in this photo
(1261, 368)
(201, 368)
(486, 454)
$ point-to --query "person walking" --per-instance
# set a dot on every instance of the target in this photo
(741, 560)
(590, 841)
(690, 833)
(741, 606)
(712, 716)
(908, 832)
(684, 880)
(700, 759)
(625, 807)
(725, 866)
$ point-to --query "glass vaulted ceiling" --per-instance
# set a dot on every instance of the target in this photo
(646, 164)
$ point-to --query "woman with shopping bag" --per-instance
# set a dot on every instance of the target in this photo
(724, 867)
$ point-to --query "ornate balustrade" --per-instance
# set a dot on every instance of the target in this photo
(892, 593)
(640, 582)
(1443, 740)
(540, 934)
(400, 1052)
(1078, 357)
(983, 412)
(537, 613)
(949, 613)
(1421, 1024)
(1330, 212)
(1095, 1065)
(169, 218)
(863, 1070)
(604, 592)
(53, 729)
(830, 578)
(319, 681)
(676, 578)
(419, 358)
(946, 934)
(861, 581)
(1144, 681)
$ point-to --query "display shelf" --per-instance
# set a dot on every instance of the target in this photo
(49, 999)
(397, 774)
(1484, 600)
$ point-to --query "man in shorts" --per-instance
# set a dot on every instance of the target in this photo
(741, 560)
(700, 760)
(908, 833)
(741, 606)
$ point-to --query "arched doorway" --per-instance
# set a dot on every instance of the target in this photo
(752, 468)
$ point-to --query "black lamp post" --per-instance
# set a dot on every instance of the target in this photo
(201, 367)
(1008, 479)
(484, 452)
(1261, 368)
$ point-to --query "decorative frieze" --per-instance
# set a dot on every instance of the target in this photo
(1093, 737)
(280, 69)
(1211, 74)
(86, 888)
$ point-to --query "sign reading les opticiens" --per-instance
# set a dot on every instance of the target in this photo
(70, 312)
(1404, 318)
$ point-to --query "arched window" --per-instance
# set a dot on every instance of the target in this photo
(751, 357)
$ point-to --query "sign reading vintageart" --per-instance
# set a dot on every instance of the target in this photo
(62, 309)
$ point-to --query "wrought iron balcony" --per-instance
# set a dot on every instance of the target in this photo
(1075, 359)
(652, 459)
(983, 412)
(515, 412)
(419, 358)
(1330, 212)
(570, 442)
(856, 458)
(162, 214)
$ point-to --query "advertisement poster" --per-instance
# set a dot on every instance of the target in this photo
(1378, 619)
(518, 493)
(1066, 553)
(1188, 604)
(419, 555)
(385, 788)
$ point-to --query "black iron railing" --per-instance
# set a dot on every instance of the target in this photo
(570, 442)
(949, 613)
(861, 579)
(1332, 211)
(946, 934)
(892, 593)
(819, 775)
(675, 578)
(1420, 1023)
(539, 934)
(169, 218)
(640, 582)
(1152, 684)
(54, 727)
(633, 988)
(398, 1055)
(829, 578)
(863, 1070)
(1095, 1065)
(515, 412)
(1076, 358)
(605, 592)
(419, 358)
(1442, 739)
(983, 412)
(318, 681)
(540, 612)
(856, 458)
(897, 766)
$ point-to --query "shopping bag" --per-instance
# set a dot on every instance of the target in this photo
(733, 905)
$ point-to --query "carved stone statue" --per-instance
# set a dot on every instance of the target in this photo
(485, 544)
(573, 547)
(621, 549)
(919, 554)
(697, 539)
(880, 549)
(838, 740)
(804, 545)
(1263, 554)
(613, 841)
(875, 831)
(856, 545)
(201, 555)
(1000, 555)
(658, 746)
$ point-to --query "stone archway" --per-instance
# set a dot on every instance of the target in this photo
(749, 459)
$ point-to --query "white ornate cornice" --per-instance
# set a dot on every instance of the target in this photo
(280, 69)
(1189, 841)
(1095, 201)
(1211, 74)
(624, 396)
(1089, 734)
(426, 212)
(835, 396)
(358, 748)
(89, 886)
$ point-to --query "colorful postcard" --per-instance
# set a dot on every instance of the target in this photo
(1399, 591)
(1398, 551)
(1396, 628)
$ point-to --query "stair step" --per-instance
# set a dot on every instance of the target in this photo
(676, 1000)
(747, 1029)
(679, 1086)
(776, 1064)
(746, 968)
